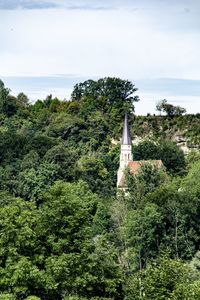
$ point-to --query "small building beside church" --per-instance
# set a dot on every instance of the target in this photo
(126, 157)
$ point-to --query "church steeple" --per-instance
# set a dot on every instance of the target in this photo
(126, 136)
(126, 150)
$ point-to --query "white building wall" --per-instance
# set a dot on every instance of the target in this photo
(125, 157)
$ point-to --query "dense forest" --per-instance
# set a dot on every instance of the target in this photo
(66, 232)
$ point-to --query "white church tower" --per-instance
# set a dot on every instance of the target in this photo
(126, 150)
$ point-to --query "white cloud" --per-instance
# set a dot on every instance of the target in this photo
(137, 40)
(111, 43)
(27, 4)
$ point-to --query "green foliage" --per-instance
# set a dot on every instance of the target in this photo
(93, 171)
(184, 128)
(17, 243)
(8, 104)
(40, 143)
(172, 157)
(161, 280)
(69, 236)
(192, 157)
(111, 96)
(30, 160)
(170, 154)
(102, 219)
(51, 251)
(65, 161)
(22, 100)
(32, 183)
(145, 150)
(143, 228)
(170, 109)
(32, 298)
(179, 210)
(67, 127)
(7, 297)
(191, 181)
(11, 146)
(146, 181)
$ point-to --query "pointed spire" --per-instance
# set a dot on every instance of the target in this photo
(126, 136)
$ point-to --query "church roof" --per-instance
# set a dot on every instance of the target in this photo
(135, 165)
(126, 136)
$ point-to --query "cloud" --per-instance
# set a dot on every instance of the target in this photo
(98, 43)
(26, 4)
(170, 86)
(43, 82)
(92, 39)
(65, 4)
(44, 4)
(166, 86)
(89, 7)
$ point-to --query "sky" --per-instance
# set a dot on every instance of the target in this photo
(47, 46)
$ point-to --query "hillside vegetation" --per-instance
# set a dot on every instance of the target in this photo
(65, 231)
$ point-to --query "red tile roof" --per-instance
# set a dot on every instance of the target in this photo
(134, 167)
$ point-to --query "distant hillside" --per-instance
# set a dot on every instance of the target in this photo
(184, 130)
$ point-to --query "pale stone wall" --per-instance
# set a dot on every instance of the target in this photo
(125, 157)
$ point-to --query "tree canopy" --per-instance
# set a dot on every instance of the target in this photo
(170, 109)
(66, 232)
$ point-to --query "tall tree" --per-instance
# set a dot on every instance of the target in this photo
(107, 94)
(8, 105)
(170, 109)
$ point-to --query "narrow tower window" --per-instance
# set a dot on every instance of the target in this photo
(126, 146)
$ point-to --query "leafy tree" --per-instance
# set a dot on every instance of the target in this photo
(179, 211)
(5, 296)
(112, 95)
(78, 241)
(192, 157)
(32, 298)
(102, 222)
(32, 183)
(143, 230)
(37, 106)
(92, 170)
(65, 159)
(171, 155)
(12, 146)
(77, 264)
(96, 132)
(145, 150)
(8, 104)
(163, 279)
(23, 100)
(66, 127)
(51, 252)
(139, 185)
(8, 176)
(30, 160)
(17, 243)
(191, 181)
(170, 109)
(40, 143)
